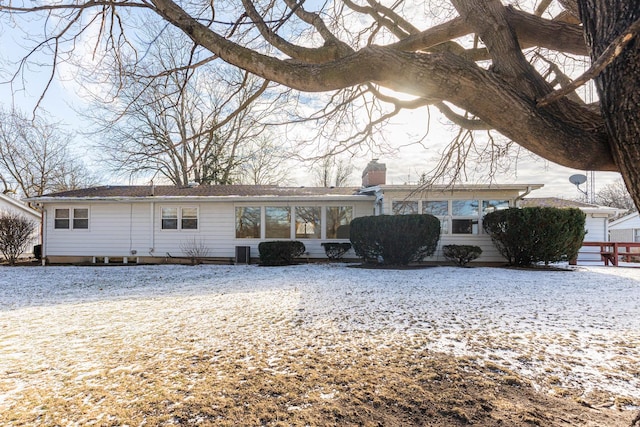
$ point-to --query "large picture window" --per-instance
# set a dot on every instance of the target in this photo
(277, 222)
(308, 224)
(439, 209)
(465, 215)
(404, 207)
(338, 220)
(494, 205)
(247, 222)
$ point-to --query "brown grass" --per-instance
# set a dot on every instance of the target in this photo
(227, 360)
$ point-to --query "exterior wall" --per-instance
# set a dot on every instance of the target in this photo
(625, 229)
(119, 230)
(479, 238)
(622, 235)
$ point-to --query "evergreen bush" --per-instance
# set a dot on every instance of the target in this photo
(336, 250)
(280, 252)
(538, 234)
(395, 239)
(461, 254)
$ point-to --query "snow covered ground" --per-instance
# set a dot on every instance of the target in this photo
(561, 329)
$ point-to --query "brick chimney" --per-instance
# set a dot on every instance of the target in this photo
(374, 174)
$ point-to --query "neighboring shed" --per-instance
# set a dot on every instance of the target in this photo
(9, 204)
(625, 229)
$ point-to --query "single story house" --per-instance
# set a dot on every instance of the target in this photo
(625, 229)
(151, 224)
(11, 205)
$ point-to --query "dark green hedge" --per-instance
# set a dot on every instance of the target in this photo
(540, 234)
(280, 252)
(395, 239)
(461, 254)
(336, 250)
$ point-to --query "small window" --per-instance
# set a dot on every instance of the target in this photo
(247, 222)
(464, 208)
(169, 218)
(81, 218)
(189, 219)
(636, 235)
(464, 226)
(61, 219)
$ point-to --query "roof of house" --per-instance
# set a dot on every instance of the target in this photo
(620, 222)
(209, 191)
(18, 205)
(553, 202)
(556, 202)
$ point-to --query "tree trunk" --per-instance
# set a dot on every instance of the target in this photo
(619, 83)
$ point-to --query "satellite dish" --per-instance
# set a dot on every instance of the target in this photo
(578, 179)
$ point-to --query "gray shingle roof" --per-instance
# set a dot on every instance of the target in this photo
(143, 191)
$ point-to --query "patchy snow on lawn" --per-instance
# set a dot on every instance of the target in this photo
(578, 329)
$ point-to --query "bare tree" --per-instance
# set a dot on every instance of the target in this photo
(182, 122)
(615, 195)
(16, 233)
(263, 163)
(35, 157)
(332, 172)
(478, 63)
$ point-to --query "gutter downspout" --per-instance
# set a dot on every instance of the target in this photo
(522, 196)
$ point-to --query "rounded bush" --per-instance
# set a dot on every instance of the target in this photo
(461, 254)
(539, 234)
(280, 252)
(395, 239)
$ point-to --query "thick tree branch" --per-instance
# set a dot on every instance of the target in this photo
(607, 57)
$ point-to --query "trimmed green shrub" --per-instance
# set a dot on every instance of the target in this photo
(538, 234)
(461, 254)
(280, 252)
(336, 250)
(395, 239)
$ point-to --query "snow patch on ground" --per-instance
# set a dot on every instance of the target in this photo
(581, 328)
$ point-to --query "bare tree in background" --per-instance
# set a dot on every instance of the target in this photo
(617, 196)
(263, 163)
(35, 157)
(483, 64)
(183, 123)
(332, 172)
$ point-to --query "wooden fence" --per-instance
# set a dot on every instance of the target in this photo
(611, 253)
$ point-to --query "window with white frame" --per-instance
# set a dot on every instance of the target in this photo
(404, 207)
(248, 222)
(76, 219)
(81, 218)
(464, 216)
(489, 206)
(308, 225)
(61, 219)
(184, 218)
(277, 222)
(636, 235)
(439, 209)
(338, 220)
